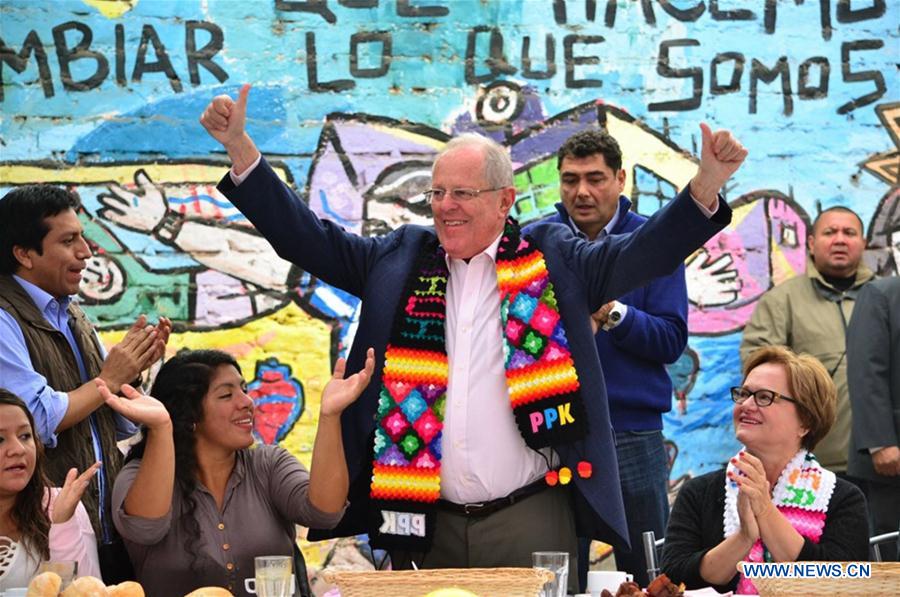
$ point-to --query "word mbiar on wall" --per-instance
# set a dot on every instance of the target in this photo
(69, 53)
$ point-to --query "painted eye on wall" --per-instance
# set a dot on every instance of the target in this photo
(397, 198)
(499, 103)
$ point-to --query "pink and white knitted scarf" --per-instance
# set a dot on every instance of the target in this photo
(801, 495)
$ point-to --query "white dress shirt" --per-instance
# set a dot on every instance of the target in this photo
(483, 454)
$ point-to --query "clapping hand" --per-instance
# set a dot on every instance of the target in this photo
(753, 483)
(142, 346)
(70, 494)
(749, 526)
(136, 406)
(163, 331)
(339, 393)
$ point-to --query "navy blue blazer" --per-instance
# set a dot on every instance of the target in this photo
(585, 276)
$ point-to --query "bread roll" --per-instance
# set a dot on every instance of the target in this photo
(210, 592)
(46, 584)
(126, 589)
(86, 586)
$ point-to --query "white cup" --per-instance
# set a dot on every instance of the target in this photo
(606, 579)
(15, 592)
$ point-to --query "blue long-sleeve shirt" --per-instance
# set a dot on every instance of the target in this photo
(47, 405)
(652, 334)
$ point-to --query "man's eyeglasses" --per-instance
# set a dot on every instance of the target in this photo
(461, 195)
(761, 397)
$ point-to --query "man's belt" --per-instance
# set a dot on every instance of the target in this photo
(480, 509)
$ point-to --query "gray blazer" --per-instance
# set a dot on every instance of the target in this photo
(873, 368)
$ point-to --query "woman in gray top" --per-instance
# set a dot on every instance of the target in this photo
(195, 502)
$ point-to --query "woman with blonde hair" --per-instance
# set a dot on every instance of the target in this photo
(773, 502)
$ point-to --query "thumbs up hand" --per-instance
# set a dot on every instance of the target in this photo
(720, 157)
(225, 120)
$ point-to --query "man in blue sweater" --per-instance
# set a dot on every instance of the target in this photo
(636, 335)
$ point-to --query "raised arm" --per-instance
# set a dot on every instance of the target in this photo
(319, 246)
(71, 535)
(150, 496)
(317, 498)
(623, 262)
(720, 157)
(225, 119)
(328, 477)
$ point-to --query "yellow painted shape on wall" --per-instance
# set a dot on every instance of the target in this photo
(290, 335)
(641, 147)
(112, 9)
(122, 173)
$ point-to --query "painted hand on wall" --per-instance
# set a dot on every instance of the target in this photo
(233, 249)
(711, 283)
(141, 210)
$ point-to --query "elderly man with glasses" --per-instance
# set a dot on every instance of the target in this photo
(485, 434)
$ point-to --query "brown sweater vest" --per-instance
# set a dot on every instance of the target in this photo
(52, 357)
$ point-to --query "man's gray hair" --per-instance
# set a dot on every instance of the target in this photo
(498, 170)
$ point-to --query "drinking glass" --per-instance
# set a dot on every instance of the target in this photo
(66, 569)
(556, 562)
(273, 577)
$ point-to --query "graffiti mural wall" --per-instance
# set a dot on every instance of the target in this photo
(353, 98)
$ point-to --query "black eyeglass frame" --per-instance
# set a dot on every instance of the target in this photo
(737, 398)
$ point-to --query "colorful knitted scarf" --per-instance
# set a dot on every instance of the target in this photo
(543, 385)
(801, 495)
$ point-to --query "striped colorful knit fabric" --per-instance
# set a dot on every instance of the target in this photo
(801, 495)
(540, 373)
(543, 385)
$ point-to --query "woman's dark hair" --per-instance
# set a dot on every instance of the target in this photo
(29, 512)
(180, 385)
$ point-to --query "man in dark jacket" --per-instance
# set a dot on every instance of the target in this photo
(477, 495)
(637, 335)
(873, 375)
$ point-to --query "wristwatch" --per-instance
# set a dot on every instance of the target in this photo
(615, 316)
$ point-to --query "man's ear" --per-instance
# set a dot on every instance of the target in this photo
(23, 256)
(507, 198)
